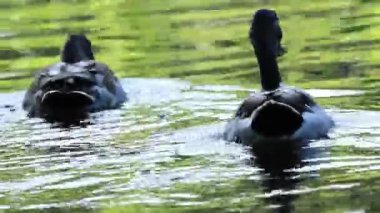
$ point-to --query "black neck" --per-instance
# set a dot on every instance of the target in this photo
(76, 49)
(269, 73)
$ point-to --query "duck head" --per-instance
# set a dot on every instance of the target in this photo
(77, 48)
(265, 33)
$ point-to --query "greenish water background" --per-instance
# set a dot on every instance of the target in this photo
(331, 44)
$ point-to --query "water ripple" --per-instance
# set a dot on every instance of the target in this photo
(167, 138)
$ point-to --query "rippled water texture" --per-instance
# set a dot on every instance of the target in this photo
(186, 66)
(159, 150)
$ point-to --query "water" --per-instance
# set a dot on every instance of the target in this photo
(164, 148)
(163, 151)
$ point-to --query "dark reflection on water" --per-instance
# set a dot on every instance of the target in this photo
(46, 33)
(205, 41)
(163, 151)
(40, 51)
(158, 150)
(277, 158)
(69, 19)
(344, 46)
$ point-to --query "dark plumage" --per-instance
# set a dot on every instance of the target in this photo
(67, 91)
(277, 111)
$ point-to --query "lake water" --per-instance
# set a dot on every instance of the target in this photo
(186, 66)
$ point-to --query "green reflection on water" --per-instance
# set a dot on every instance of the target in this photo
(331, 44)
(206, 42)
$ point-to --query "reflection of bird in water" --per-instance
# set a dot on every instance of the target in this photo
(277, 158)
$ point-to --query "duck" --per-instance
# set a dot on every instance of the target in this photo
(74, 87)
(277, 111)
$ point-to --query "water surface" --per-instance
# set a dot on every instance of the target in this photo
(163, 151)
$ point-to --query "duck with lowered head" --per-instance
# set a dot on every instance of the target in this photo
(67, 91)
(277, 111)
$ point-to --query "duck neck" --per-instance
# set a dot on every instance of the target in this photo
(76, 49)
(270, 75)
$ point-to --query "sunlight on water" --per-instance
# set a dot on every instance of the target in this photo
(186, 66)
(165, 140)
